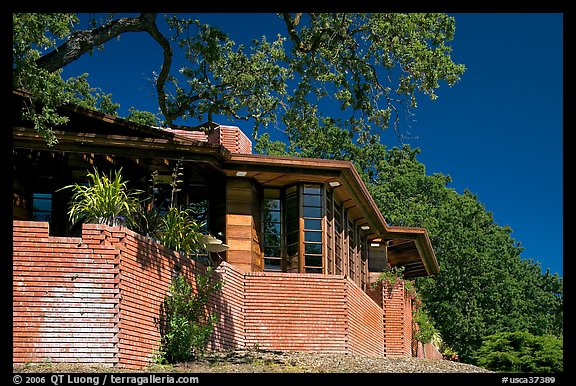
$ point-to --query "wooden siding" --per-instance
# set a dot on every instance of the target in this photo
(242, 225)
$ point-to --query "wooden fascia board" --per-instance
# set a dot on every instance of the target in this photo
(343, 171)
(120, 145)
(422, 242)
(360, 194)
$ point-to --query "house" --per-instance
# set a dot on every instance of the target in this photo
(305, 241)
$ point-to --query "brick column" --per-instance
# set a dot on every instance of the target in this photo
(397, 321)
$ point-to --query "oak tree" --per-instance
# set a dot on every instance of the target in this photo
(369, 65)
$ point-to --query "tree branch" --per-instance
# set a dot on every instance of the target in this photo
(81, 42)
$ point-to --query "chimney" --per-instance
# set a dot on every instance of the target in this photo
(231, 137)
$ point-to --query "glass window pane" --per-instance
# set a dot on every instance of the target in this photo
(312, 212)
(291, 213)
(271, 239)
(312, 189)
(313, 224)
(292, 238)
(313, 261)
(272, 228)
(312, 201)
(270, 251)
(271, 216)
(272, 265)
(313, 236)
(292, 249)
(272, 204)
(313, 248)
(313, 270)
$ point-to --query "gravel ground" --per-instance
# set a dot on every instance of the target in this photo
(277, 362)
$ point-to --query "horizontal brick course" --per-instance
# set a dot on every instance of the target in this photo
(98, 299)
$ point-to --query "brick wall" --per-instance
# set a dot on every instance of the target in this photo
(429, 351)
(65, 297)
(232, 138)
(397, 320)
(292, 311)
(365, 322)
(98, 299)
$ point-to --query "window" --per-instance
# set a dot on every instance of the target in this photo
(292, 234)
(312, 209)
(42, 207)
(329, 233)
(338, 238)
(351, 250)
(272, 230)
(363, 251)
(306, 229)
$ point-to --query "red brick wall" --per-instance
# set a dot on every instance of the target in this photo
(397, 321)
(146, 272)
(98, 299)
(230, 308)
(365, 322)
(65, 297)
(291, 311)
(231, 137)
(429, 351)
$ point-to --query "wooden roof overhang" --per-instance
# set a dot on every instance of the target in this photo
(90, 131)
(407, 247)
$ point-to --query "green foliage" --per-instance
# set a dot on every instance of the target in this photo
(105, 200)
(142, 117)
(371, 65)
(484, 286)
(391, 276)
(33, 35)
(179, 231)
(426, 331)
(187, 323)
(522, 352)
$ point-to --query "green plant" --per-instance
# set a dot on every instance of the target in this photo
(426, 331)
(105, 199)
(187, 323)
(390, 276)
(179, 231)
(520, 351)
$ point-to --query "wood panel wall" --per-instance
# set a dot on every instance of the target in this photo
(242, 225)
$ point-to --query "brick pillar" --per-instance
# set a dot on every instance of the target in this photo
(397, 321)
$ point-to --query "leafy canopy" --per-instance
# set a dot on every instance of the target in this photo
(370, 65)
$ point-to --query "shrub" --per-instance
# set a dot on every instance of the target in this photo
(522, 352)
(179, 232)
(187, 323)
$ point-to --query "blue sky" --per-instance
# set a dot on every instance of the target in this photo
(498, 132)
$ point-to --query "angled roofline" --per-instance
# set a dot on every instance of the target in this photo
(157, 141)
(354, 183)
